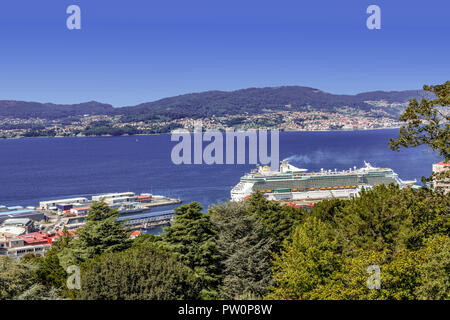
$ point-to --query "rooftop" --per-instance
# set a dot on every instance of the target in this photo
(15, 208)
(64, 200)
(135, 234)
(34, 238)
(15, 221)
(16, 231)
(82, 208)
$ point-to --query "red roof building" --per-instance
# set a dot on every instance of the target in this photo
(142, 198)
(35, 238)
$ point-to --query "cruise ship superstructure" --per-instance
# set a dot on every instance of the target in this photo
(294, 183)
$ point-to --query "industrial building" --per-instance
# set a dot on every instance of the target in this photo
(52, 204)
(25, 213)
(25, 223)
(443, 184)
(81, 211)
(12, 231)
(106, 196)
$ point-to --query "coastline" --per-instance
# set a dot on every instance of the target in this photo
(157, 134)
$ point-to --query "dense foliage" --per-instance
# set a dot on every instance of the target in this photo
(401, 231)
(244, 247)
(255, 101)
(100, 234)
(192, 240)
(255, 249)
(143, 272)
(427, 123)
(100, 130)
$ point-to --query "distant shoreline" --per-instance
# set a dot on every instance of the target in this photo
(157, 134)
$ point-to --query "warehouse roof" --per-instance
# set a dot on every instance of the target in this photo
(14, 212)
(14, 221)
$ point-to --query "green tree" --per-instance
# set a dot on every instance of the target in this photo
(50, 273)
(139, 273)
(435, 270)
(388, 218)
(428, 123)
(192, 239)
(405, 275)
(15, 277)
(328, 210)
(39, 292)
(399, 276)
(372, 221)
(279, 221)
(101, 233)
(305, 262)
(100, 211)
(144, 239)
(244, 246)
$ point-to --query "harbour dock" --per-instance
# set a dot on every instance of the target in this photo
(159, 202)
(147, 220)
(71, 213)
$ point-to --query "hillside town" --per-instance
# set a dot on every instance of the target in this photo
(103, 125)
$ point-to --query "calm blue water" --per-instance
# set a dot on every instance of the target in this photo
(36, 169)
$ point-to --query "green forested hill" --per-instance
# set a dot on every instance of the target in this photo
(206, 104)
(26, 110)
(256, 100)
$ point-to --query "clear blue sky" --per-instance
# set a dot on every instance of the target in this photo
(133, 51)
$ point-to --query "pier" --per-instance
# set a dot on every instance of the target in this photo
(159, 202)
(147, 220)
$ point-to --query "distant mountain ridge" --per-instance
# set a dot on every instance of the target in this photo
(50, 111)
(208, 103)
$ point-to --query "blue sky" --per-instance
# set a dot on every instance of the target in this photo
(134, 51)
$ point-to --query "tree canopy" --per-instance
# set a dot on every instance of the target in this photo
(427, 123)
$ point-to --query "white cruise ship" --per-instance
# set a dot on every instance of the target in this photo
(299, 184)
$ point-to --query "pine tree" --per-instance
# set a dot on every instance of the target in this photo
(244, 246)
(278, 221)
(192, 239)
(101, 233)
(50, 273)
